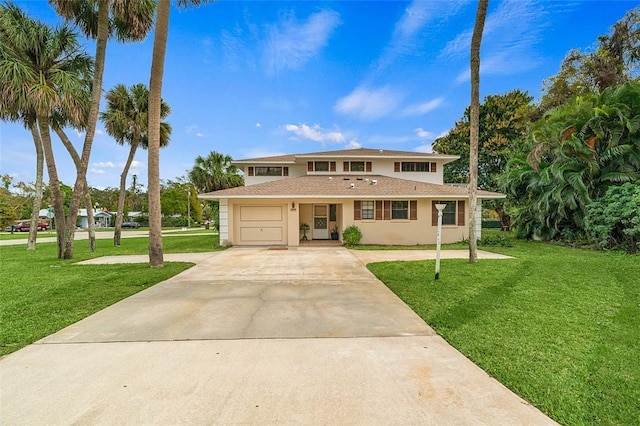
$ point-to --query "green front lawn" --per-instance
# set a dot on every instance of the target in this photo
(559, 326)
(40, 294)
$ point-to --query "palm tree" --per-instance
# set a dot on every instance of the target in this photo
(214, 172)
(156, 258)
(126, 119)
(98, 19)
(476, 40)
(43, 72)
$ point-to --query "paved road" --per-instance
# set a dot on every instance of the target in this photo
(255, 336)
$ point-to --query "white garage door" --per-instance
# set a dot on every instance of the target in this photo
(260, 225)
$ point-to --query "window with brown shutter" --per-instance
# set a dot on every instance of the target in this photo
(368, 166)
(434, 214)
(396, 166)
(309, 166)
(250, 171)
(387, 210)
(357, 210)
(460, 212)
(378, 209)
(285, 171)
(332, 166)
(433, 167)
(345, 166)
(413, 210)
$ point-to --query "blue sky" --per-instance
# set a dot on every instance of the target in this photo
(260, 78)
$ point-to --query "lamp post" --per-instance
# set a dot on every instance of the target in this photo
(439, 207)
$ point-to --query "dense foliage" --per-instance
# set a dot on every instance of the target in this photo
(351, 235)
(614, 219)
(578, 151)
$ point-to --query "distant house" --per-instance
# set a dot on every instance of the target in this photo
(389, 195)
(101, 218)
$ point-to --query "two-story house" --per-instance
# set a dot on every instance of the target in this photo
(389, 195)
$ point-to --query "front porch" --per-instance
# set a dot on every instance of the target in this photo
(320, 222)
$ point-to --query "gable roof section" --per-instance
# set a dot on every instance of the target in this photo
(314, 186)
(348, 154)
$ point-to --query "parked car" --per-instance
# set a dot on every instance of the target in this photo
(25, 225)
(134, 225)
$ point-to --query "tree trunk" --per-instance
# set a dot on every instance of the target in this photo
(155, 98)
(87, 196)
(96, 94)
(123, 190)
(476, 40)
(37, 200)
(54, 183)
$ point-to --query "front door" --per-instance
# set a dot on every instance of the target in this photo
(320, 221)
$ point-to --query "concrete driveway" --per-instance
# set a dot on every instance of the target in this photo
(255, 336)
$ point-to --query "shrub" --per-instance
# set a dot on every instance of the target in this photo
(613, 220)
(500, 240)
(351, 235)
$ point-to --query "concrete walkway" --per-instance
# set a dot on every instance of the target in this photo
(255, 336)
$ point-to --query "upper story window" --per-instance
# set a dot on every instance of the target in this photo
(357, 166)
(268, 171)
(321, 166)
(415, 166)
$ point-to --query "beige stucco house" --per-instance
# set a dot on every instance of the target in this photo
(389, 195)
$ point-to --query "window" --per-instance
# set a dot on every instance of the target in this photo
(452, 214)
(321, 166)
(399, 210)
(367, 210)
(449, 213)
(357, 166)
(268, 171)
(417, 166)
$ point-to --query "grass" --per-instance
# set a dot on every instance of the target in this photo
(41, 294)
(559, 326)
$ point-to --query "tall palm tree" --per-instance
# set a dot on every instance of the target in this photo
(214, 172)
(98, 19)
(126, 119)
(43, 71)
(156, 258)
(476, 40)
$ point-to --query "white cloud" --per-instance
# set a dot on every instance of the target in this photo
(258, 124)
(423, 134)
(369, 104)
(314, 133)
(191, 128)
(137, 164)
(200, 134)
(426, 148)
(353, 144)
(291, 43)
(97, 171)
(423, 107)
(104, 164)
(510, 38)
(99, 132)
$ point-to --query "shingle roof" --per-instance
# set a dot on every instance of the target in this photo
(340, 187)
(346, 153)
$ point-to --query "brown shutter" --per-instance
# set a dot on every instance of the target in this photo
(387, 210)
(357, 210)
(413, 210)
(378, 209)
(367, 166)
(285, 171)
(250, 172)
(309, 166)
(434, 214)
(332, 166)
(345, 166)
(396, 166)
(460, 212)
(433, 167)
